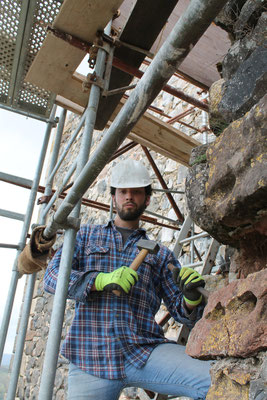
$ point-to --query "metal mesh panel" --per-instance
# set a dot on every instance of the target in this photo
(45, 13)
(14, 91)
(9, 14)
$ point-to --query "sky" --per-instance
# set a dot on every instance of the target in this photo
(21, 140)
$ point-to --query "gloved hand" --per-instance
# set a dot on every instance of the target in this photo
(34, 256)
(188, 280)
(121, 279)
(39, 244)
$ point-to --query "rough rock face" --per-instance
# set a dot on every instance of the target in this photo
(246, 87)
(239, 17)
(243, 48)
(249, 258)
(244, 68)
(216, 120)
(234, 321)
(227, 194)
(236, 379)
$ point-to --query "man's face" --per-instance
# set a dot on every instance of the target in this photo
(130, 203)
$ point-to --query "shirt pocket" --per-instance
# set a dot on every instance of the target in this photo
(97, 258)
(145, 271)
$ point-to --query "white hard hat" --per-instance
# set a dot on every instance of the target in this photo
(129, 174)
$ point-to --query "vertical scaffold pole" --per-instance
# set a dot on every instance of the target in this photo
(25, 229)
(57, 317)
(30, 279)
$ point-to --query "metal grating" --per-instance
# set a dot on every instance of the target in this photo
(22, 30)
(10, 12)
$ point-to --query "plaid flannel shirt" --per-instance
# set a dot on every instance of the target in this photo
(108, 331)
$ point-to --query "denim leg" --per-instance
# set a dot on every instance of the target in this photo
(83, 386)
(170, 371)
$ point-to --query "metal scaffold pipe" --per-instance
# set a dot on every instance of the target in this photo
(67, 148)
(56, 148)
(23, 236)
(187, 31)
(29, 286)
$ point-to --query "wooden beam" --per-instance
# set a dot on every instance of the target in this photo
(146, 20)
(152, 133)
(161, 137)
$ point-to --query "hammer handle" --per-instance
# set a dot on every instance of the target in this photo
(204, 293)
(135, 265)
(139, 259)
(200, 289)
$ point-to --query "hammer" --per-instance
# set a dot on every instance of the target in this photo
(200, 289)
(145, 246)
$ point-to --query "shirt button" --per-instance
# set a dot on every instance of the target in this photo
(117, 315)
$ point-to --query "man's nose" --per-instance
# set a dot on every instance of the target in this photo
(129, 194)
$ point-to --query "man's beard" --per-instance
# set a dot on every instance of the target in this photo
(130, 214)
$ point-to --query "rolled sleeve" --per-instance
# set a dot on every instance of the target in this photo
(81, 280)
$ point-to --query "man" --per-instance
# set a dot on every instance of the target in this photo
(114, 341)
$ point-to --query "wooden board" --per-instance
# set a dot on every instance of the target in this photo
(83, 18)
(54, 66)
(56, 62)
(152, 133)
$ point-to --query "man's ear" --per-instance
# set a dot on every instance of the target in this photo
(113, 200)
(147, 200)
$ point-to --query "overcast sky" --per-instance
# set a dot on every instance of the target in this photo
(21, 141)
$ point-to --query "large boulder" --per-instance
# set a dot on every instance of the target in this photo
(227, 190)
(246, 87)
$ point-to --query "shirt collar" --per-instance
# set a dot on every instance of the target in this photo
(110, 223)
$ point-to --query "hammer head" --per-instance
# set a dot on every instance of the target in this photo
(150, 245)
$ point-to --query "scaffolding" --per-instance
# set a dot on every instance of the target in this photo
(28, 99)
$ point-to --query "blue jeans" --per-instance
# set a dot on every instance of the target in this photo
(168, 371)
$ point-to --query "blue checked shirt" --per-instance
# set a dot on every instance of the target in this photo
(107, 330)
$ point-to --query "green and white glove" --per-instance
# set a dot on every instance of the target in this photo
(121, 279)
(188, 280)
